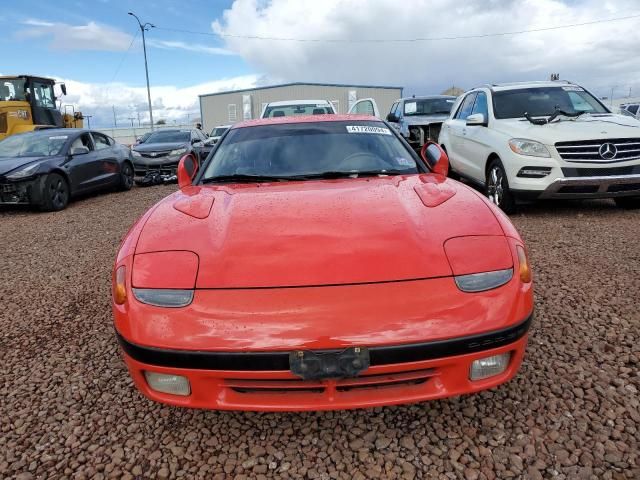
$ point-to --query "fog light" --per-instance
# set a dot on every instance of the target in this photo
(489, 366)
(173, 384)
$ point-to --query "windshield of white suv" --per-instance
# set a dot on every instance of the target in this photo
(544, 101)
(310, 150)
(428, 106)
(294, 110)
(218, 131)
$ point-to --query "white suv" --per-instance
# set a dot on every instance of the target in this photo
(543, 140)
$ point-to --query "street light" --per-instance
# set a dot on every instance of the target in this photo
(145, 27)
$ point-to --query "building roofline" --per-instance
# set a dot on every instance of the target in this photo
(300, 83)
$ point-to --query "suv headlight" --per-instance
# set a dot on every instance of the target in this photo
(178, 151)
(531, 148)
(24, 172)
(135, 153)
(479, 282)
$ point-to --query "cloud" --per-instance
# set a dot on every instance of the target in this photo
(95, 36)
(92, 36)
(598, 56)
(170, 103)
(190, 47)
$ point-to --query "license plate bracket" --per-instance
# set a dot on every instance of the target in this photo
(310, 365)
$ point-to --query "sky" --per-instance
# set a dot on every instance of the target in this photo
(206, 46)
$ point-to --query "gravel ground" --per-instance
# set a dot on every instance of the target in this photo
(68, 408)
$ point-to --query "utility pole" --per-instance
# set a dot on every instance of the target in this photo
(132, 119)
(145, 27)
(138, 112)
(88, 117)
(115, 122)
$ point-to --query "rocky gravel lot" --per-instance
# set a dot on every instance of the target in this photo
(69, 410)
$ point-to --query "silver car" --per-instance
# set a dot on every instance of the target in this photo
(419, 119)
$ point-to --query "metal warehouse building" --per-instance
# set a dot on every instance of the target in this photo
(228, 107)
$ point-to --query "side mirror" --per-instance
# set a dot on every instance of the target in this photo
(392, 117)
(187, 168)
(63, 87)
(79, 151)
(477, 119)
(436, 158)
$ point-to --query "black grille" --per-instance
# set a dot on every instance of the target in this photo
(169, 168)
(601, 172)
(624, 187)
(588, 151)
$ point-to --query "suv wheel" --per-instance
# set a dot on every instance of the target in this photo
(630, 203)
(498, 187)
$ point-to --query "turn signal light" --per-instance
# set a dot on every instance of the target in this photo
(120, 285)
(524, 269)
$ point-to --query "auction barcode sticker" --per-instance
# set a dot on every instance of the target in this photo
(368, 129)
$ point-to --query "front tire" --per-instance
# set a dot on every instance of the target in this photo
(56, 193)
(126, 177)
(497, 189)
(628, 203)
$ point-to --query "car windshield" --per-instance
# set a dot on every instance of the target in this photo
(293, 110)
(171, 136)
(218, 131)
(311, 149)
(32, 145)
(544, 101)
(428, 106)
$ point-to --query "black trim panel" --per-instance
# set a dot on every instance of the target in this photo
(268, 361)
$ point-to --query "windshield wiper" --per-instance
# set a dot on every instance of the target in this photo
(557, 113)
(353, 173)
(242, 178)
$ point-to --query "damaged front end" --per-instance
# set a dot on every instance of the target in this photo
(20, 192)
(421, 134)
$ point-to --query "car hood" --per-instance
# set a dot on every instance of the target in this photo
(327, 232)
(9, 164)
(583, 128)
(160, 147)
(424, 119)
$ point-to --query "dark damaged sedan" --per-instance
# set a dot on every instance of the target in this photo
(162, 150)
(45, 168)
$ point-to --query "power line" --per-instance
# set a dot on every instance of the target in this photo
(401, 40)
(124, 55)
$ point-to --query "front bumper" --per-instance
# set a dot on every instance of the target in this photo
(593, 187)
(163, 165)
(22, 192)
(398, 374)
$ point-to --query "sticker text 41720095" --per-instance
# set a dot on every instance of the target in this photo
(368, 129)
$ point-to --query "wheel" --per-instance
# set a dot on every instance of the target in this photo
(498, 187)
(56, 193)
(630, 203)
(126, 177)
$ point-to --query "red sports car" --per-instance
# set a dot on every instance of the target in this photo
(319, 263)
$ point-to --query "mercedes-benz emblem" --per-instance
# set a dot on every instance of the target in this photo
(608, 151)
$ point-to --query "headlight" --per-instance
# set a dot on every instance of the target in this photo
(528, 147)
(178, 151)
(24, 172)
(164, 297)
(136, 153)
(479, 282)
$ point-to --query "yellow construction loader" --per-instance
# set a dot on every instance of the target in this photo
(29, 103)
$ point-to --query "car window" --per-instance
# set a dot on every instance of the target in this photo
(311, 148)
(466, 107)
(480, 105)
(296, 110)
(33, 144)
(633, 108)
(364, 107)
(101, 141)
(394, 108)
(428, 106)
(169, 136)
(544, 101)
